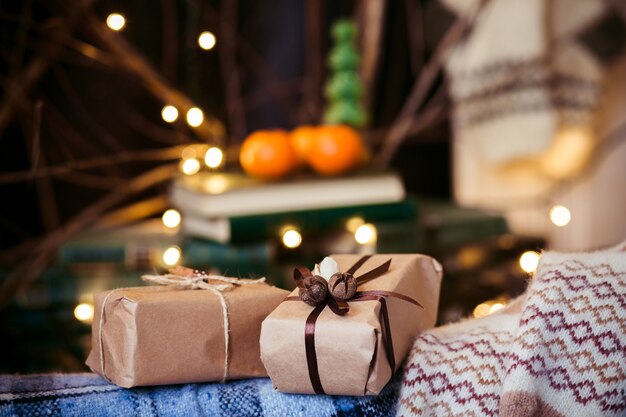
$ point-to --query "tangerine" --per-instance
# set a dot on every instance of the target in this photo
(267, 154)
(336, 149)
(302, 139)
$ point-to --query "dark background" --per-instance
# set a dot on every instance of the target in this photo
(91, 109)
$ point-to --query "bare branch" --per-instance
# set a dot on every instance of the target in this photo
(21, 83)
(211, 130)
(422, 86)
(415, 32)
(166, 154)
(311, 105)
(372, 23)
(28, 271)
(230, 72)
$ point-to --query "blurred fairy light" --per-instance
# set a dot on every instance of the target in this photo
(560, 216)
(84, 312)
(353, 223)
(495, 307)
(529, 261)
(207, 40)
(171, 256)
(482, 310)
(190, 166)
(366, 233)
(116, 21)
(213, 157)
(169, 114)
(488, 307)
(195, 117)
(171, 218)
(292, 239)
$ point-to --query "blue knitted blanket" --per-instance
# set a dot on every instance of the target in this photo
(90, 395)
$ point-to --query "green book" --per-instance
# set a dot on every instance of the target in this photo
(236, 230)
(136, 246)
(446, 225)
(243, 259)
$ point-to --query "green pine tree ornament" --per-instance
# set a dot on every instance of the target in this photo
(344, 89)
(344, 86)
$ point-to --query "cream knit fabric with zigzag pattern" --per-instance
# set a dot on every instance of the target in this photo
(559, 350)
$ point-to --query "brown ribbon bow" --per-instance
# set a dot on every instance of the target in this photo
(341, 307)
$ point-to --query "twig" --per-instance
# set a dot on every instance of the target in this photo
(133, 212)
(166, 154)
(36, 134)
(422, 86)
(311, 105)
(371, 17)
(28, 271)
(93, 181)
(78, 108)
(230, 73)
(154, 131)
(433, 114)
(253, 60)
(13, 254)
(21, 38)
(23, 82)
(45, 192)
(415, 32)
(70, 140)
(211, 130)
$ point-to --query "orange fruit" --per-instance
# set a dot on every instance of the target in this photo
(301, 140)
(336, 149)
(267, 154)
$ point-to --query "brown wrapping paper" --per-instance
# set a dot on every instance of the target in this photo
(157, 335)
(350, 350)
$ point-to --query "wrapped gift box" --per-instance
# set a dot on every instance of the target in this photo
(358, 352)
(157, 335)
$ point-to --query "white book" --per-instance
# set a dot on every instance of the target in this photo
(217, 229)
(212, 195)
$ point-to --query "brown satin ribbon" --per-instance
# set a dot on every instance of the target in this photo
(341, 308)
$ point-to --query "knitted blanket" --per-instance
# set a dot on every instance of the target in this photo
(90, 395)
(559, 350)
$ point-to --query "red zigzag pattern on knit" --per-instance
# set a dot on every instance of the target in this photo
(455, 374)
(575, 320)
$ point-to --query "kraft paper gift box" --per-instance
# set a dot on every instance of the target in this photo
(158, 335)
(358, 352)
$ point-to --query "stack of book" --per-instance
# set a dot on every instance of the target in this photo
(233, 210)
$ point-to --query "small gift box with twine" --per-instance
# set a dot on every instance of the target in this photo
(194, 327)
(350, 323)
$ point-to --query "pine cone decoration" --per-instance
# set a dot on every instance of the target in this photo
(314, 290)
(342, 286)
